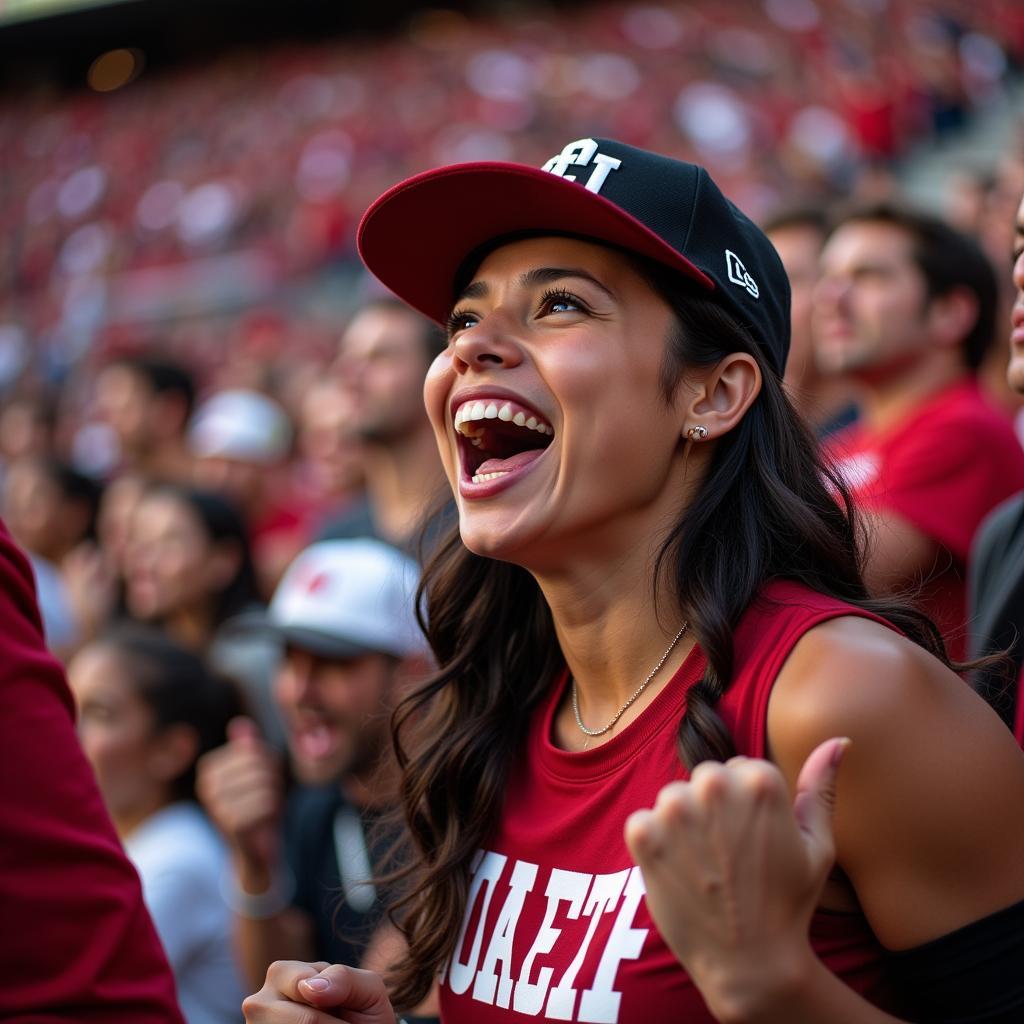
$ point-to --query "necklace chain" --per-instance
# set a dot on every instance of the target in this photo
(636, 693)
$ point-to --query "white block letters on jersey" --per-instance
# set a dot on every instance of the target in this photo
(608, 904)
(581, 154)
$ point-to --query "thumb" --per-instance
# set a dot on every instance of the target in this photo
(815, 800)
(244, 730)
(350, 989)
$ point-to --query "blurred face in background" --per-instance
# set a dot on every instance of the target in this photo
(1015, 371)
(124, 401)
(871, 306)
(241, 482)
(799, 248)
(117, 731)
(171, 563)
(327, 439)
(33, 508)
(381, 365)
(335, 712)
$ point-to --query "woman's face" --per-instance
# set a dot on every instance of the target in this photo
(565, 336)
(169, 559)
(116, 731)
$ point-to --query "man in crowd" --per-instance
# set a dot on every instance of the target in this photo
(997, 559)
(905, 311)
(344, 613)
(798, 235)
(147, 403)
(383, 357)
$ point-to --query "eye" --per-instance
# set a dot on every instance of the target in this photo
(461, 320)
(560, 301)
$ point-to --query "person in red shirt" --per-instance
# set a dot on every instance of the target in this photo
(76, 942)
(905, 311)
(655, 647)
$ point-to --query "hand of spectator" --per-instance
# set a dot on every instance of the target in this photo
(734, 871)
(292, 988)
(91, 588)
(241, 789)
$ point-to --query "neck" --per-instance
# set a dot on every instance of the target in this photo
(889, 398)
(612, 635)
(401, 478)
(126, 821)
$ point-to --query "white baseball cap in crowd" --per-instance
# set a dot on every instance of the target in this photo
(345, 598)
(239, 424)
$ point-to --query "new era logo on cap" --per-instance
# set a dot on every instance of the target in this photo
(738, 273)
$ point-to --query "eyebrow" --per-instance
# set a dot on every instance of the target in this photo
(534, 277)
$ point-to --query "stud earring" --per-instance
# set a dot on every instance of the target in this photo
(697, 433)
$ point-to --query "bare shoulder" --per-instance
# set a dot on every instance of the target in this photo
(928, 822)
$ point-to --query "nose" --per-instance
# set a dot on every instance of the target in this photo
(488, 345)
(1018, 272)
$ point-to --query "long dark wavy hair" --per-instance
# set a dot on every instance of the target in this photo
(769, 508)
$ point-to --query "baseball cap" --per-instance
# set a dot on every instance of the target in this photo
(345, 598)
(420, 235)
(239, 424)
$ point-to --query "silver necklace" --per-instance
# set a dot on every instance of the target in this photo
(640, 689)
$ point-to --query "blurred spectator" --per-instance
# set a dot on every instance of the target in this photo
(51, 509)
(188, 570)
(147, 403)
(329, 477)
(240, 440)
(343, 615)
(77, 943)
(27, 427)
(148, 709)
(997, 558)
(798, 235)
(94, 571)
(905, 311)
(382, 360)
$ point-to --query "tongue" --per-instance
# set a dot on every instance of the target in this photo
(513, 462)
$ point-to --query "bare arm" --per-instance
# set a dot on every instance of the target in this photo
(927, 827)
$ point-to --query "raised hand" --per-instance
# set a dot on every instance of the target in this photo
(734, 871)
(240, 787)
(332, 991)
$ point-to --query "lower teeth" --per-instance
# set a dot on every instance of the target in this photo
(480, 478)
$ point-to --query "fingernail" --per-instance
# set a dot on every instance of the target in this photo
(839, 751)
(317, 984)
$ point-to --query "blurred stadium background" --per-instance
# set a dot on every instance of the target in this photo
(188, 176)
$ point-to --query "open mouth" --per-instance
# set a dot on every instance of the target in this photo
(498, 437)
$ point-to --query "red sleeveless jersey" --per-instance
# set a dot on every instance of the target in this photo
(556, 927)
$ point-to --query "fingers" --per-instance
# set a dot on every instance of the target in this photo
(346, 987)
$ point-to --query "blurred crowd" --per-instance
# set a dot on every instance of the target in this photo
(203, 471)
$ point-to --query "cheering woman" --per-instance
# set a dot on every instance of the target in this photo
(623, 787)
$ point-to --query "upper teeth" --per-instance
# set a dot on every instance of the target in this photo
(471, 412)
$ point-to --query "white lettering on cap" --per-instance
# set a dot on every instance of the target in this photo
(738, 273)
(580, 154)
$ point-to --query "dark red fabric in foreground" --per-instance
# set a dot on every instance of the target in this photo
(76, 941)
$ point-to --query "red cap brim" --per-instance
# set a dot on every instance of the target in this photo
(418, 234)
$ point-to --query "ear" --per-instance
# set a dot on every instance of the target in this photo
(722, 398)
(951, 317)
(172, 750)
